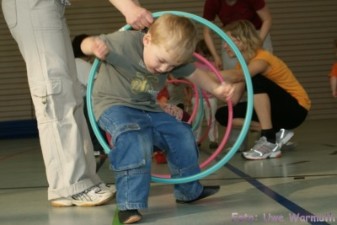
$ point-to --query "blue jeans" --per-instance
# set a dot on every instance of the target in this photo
(134, 132)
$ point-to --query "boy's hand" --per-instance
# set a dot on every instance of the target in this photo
(99, 48)
(224, 91)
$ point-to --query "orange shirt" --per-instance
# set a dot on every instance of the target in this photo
(333, 72)
(280, 74)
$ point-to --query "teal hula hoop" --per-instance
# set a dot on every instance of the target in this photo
(249, 112)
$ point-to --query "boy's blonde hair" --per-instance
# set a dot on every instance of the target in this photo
(177, 34)
(244, 31)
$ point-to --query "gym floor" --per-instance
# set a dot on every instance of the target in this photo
(298, 188)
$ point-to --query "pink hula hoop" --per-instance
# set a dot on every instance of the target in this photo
(229, 124)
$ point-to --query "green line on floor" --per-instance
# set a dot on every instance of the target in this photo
(115, 220)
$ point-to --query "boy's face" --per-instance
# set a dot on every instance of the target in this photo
(157, 60)
(228, 49)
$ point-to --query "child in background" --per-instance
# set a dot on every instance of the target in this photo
(177, 93)
(135, 68)
(333, 75)
(175, 111)
(280, 101)
(164, 99)
(210, 110)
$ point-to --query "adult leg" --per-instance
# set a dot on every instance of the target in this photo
(40, 30)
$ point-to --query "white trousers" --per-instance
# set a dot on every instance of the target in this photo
(41, 32)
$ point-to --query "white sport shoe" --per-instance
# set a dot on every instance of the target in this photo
(93, 196)
(263, 149)
(108, 187)
(283, 136)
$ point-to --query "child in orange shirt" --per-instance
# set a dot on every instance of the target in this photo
(280, 101)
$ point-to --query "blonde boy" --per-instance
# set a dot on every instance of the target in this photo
(135, 68)
(281, 103)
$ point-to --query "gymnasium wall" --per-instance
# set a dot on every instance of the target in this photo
(302, 34)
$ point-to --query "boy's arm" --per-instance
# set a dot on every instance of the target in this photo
(210, 83)
(94, 46)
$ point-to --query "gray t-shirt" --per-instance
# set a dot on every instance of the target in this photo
(123, 78)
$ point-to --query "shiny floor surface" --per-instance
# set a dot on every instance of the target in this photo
(298, 188)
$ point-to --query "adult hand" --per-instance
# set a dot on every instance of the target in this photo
(135, 15)
(139, 18)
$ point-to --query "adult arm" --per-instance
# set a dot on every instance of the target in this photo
(135, 15)
(266, 19)
(333, 84)
(210, 44)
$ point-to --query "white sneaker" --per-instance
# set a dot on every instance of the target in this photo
(108, 187)
(61, 202)
(93, 196)
(262, 150)
(283, 136)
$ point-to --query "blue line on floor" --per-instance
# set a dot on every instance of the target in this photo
(296, 209)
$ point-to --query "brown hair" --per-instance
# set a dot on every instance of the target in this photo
(245, 32)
